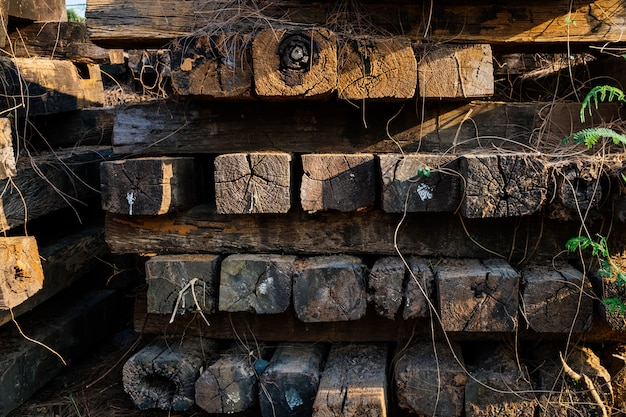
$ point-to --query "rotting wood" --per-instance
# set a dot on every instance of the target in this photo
(329, 288)
(456, 71)
(258, 182)
(67, 260)
(256, 283)
(38, 86)
(163, 374)
(477, 296)
(48, 182)
(168, 276)
(148, 186)
(187, 127)
(418, 289)
(289, 384)
(21, 273)
(7, 154)
(343, 182)
(354, 382)
(294, 63)
(61, 40)
(371, 68)
(384, 284)
(38, 10)
(557, 299)
(430, 378)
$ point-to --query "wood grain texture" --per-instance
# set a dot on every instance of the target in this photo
(38, 10)
(7, 154)
(21, 275)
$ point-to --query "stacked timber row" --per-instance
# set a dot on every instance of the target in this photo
(53, 136)
(355, 209)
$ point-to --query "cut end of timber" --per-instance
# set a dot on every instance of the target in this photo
(21, 274)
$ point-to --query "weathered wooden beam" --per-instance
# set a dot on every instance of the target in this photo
(192, 127)
(163, 374)
(148, 186)
(48, 182)
(418, 289)
(38, 10)
(456, 71)
(294, 63)
(137, 23)
(64, 262)
(354, 382)
(578, 188)
(343, 182)
(477, 296)
(290, 382)
(385, 285)
(21, 275)
(329, 288)
(59, 40)
(258, 182)
(7, 154)
(4, 20)
(256, 283)
(376, 68)
(430, 378)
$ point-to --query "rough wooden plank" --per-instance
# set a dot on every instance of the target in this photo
(456, 71)
(38, 86)
(503, 185)
(430, 380)
(48, 182)
(64, 262)
(213, 66)
(291, 380)
(38, 10)
(294, 63)
(418, 289)
(163, 374)
(61, 325)
(168, 275)
(229, 385)
(557, 299)
(329, 288)
(373, 68)
(419, 182)
(148, 186)
(354, 382)
(477, 296)
(21, 275)
(384, 283)
(60, 40)
(7, 154)
(256, 283)
(337, 182)
(258, 182)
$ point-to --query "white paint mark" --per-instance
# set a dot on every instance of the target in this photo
(233, 398)
(425, 192)
(130, 197)
(265, 285)
(293, 398)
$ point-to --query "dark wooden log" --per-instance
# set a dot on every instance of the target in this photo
(148, 186)
(499, 386)
(21, 274)
(557, 299)
(289, 384)
(258, 182)
(64, 262)
(163, 374)
(456, 71)
(503, 185)
(418, 289)
(384, 283)
(419, 182)
(230, 384)
(60, 40)
(38, 11)
(49, 181)
(7, 154)
(430, 380)
(256, 283)
(169, 275)
(294, 63)
(338, 182)
(578, 188)
(354, 382)
(217, 66)
(376, 68)
(478, 296)
(329, 288)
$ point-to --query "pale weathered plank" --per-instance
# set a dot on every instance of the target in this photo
(38, 10)
(7, 154)
(21, 274)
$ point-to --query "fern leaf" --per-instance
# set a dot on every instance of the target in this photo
(602, 91)
(591, 136)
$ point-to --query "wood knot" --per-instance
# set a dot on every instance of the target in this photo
(296, 52)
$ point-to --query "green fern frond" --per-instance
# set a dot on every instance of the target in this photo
(602, 91)
(591, 136)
